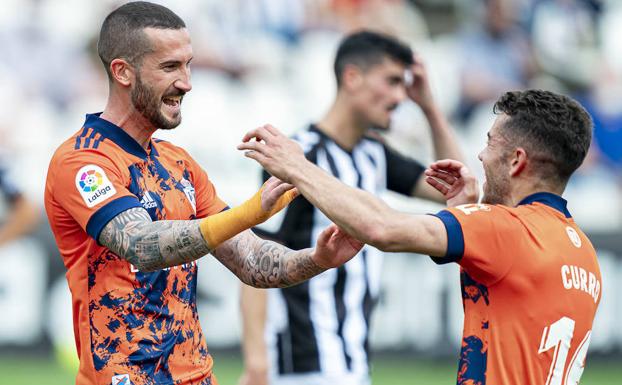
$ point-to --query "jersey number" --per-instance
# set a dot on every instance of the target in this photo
(558, 336)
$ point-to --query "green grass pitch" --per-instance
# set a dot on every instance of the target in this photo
(24, 370)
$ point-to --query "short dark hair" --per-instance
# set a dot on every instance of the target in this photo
(122, 34)
(365, 49)
(554, 129)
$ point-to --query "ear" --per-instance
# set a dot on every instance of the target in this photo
(519, 161)
(122, 72)
(351, 77)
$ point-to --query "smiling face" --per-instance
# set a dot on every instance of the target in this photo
(163, 77)
(377, 91)
(494, 158)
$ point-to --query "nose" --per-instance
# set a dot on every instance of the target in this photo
(479, 156)
(183, 83)
(400, 93)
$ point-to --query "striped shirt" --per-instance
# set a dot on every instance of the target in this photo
(322, 325)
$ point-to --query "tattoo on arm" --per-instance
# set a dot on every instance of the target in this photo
(264, 264)
(151, 245)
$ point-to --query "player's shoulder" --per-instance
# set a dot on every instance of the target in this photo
(172, 150)
(493, 214)
(76, 147)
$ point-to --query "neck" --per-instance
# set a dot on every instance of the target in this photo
(524, 190)
(121, 112)
(341, 124)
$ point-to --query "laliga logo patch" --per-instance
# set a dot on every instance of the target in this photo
(121, 379)
(93, 185)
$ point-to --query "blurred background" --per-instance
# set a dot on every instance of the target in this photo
(260, 61)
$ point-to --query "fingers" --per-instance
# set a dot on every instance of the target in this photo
(442, 175)
(448, 165)
(437, 185)
(282, 188)
(265, 133)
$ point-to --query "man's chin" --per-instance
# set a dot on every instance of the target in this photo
(169, 123)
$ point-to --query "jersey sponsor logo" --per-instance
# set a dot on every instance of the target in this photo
(148, 202)
(575, 277)
(574, 237)
(93, 185)
(121, 379)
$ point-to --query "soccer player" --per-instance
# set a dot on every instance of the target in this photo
(530, 278)
(131, 214)
(318, 332)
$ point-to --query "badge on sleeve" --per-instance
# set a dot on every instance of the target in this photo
(94, 185)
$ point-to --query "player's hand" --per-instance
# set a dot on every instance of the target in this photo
(279, 155)
(454, 180)
(419, 90)
(335, 247)
(273, 189)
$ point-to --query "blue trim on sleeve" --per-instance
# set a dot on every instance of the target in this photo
(455, 238)
(107, 212)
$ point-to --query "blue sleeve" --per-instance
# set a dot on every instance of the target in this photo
(455, 238)
(107, 212)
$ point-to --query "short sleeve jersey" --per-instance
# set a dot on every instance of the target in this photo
(131, 326)
(530, 288)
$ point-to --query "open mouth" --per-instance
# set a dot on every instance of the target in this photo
(172, 101)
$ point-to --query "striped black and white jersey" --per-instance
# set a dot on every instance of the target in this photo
(322, 325)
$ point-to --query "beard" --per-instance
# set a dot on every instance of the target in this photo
(496, 188)
(148, 104)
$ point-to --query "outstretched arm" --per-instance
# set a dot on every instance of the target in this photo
(359, 213)
(261, 263)
(152, 245)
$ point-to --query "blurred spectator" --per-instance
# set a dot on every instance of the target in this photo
(496, 56)
(19, 216)
(565, 39)
(603, 102)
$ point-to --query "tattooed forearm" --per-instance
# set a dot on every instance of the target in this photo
(153, 245)
(264, 264)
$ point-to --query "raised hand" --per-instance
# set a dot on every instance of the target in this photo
(279, 155)
(335, 247)
(276, 194)
(454, 180)
(419, 90)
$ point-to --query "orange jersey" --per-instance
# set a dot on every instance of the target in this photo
(130, 327)
(530, 288)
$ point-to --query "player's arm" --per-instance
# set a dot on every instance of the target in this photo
(22, 219)
(155, 245)
(443, 136)
(264, 264)
(253, 303)
(361, 214)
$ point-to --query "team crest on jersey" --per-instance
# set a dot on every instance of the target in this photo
(93, 185)
(574, 237)
(121, 379)
(189, 191)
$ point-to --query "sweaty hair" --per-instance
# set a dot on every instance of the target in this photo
(554, 129)
(122, 34)
(366, 49)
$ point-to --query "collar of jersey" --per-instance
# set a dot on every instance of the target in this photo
(549, 199)
(117, 135)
